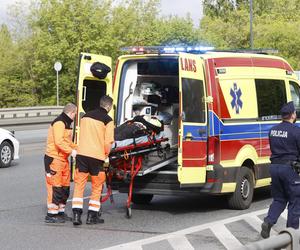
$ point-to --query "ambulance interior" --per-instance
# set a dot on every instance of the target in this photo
(150, 87)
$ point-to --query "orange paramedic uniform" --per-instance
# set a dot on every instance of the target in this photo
(59, 146)
(95, 140)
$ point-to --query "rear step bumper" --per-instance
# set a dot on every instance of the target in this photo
(164, 183)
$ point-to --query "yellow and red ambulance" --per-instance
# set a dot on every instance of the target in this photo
(222, 105)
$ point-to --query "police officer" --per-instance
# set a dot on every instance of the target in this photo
(285, 148)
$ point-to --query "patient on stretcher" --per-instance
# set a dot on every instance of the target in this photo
(140, 129)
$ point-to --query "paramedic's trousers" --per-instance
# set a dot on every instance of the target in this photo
(80, 181)
(58, 186)
(285, 190)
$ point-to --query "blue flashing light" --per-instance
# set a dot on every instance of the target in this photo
(180, 49)
(167, 49)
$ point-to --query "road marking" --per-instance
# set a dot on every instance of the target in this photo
(139, 243)
(180, 242)
(225, 237)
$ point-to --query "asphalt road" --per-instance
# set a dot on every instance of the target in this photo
(23, 208)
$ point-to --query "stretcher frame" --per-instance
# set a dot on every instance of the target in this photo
(126, 164)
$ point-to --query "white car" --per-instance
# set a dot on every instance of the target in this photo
(9, 148)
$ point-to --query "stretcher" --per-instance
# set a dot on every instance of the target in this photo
(127, 162)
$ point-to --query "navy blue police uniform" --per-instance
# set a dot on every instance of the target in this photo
(285, 187)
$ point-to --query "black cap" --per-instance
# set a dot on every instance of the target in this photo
(100, 70)
(287, 109)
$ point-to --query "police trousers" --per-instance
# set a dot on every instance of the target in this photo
(285, 188)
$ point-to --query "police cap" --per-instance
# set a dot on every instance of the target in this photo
(100, 70)
(287, 109)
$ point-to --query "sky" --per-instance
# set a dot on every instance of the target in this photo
(169, 7)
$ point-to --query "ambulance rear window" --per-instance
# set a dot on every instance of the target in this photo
(271, 95)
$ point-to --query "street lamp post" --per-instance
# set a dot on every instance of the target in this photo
(57, 67)
(251, 24)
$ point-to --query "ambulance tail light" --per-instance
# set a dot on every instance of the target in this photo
(213, 150)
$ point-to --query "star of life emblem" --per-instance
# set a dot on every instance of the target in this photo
(236, 102)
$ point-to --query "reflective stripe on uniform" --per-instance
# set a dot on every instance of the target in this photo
(94, 202)
(77, 200)
(77, 203)
(96, 209)
(53, 206)
(61, 208)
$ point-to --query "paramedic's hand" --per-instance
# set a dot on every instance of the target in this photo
(49, 179)
(74, 153)
(106, 163)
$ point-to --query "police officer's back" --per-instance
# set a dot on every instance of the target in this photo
(285, 146)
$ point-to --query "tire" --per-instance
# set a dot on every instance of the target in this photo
(6, 154)
(242, 197)
(142, 198)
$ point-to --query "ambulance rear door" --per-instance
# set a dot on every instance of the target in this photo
(192, 151)
(90, 88)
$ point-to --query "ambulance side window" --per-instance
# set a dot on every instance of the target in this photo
(271, 95)
(193, 100)
(295, 93)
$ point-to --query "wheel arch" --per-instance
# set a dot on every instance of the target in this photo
(249, 163)
(10, 143)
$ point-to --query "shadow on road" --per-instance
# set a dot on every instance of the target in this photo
(196, 203)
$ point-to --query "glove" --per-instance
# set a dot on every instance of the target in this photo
(106, 163)
(74, 153)
(49, 179)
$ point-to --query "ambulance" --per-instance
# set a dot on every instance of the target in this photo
(220, 108)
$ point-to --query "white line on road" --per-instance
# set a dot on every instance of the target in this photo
(180, 242)
(225, 236)
(139, 243)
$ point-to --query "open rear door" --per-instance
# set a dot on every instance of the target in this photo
(192, 153)
(90, 88)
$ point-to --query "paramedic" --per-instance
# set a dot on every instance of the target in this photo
(95, 140)
(285, 187)
(59, 147)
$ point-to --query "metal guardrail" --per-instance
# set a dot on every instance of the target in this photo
(28, 115)
(26, 112)
(288, 239)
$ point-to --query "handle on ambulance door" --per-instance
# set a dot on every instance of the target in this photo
(189, 136)
(83, 93)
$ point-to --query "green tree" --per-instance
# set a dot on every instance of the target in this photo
(226, 25)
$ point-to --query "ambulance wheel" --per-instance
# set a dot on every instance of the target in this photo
(128, 212)
(142, 199)
(243, 194)
(6, 154)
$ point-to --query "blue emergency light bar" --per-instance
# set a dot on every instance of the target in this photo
(166, 49)
(190, 49)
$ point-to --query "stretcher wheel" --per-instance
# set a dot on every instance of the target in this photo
(128, 212)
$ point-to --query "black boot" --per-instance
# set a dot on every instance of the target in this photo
(265, 229)
(51, 218)
(64, 216)
(77, 218)
(93, 218)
